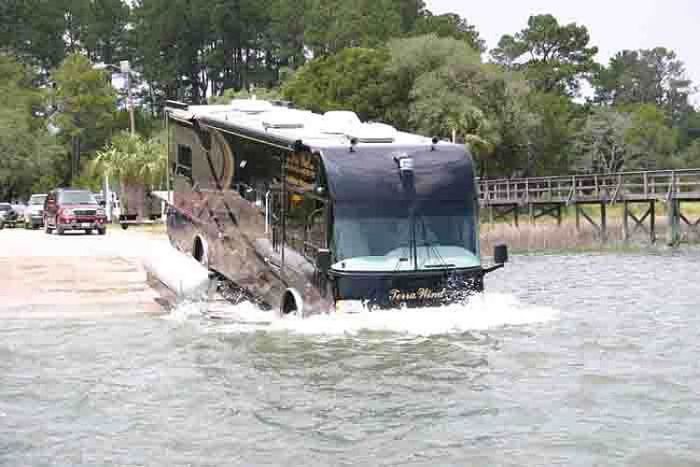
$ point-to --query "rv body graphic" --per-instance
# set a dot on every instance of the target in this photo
(312, 213)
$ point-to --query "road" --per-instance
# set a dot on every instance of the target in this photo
(75, 275)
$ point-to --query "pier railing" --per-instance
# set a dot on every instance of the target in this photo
(661, 185)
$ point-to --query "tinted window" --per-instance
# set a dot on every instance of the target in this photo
(5, 207)
(37, 199)
(76, 197)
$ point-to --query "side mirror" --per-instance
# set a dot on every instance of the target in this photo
(323, 260)
(500, 254)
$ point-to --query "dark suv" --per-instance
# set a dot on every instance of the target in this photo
(73, 209)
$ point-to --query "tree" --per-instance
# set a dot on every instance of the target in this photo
(651, 141)
(138, 164)
(554, 57)
(602, 143)
(654, 76)
(449, 25)
(26, 146)
(351, 80)
(85, 103)
(336, 24)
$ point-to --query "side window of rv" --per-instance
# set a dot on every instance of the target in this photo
(305, 225)
(184, 161)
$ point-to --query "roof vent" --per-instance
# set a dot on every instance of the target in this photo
(337, 122)
(284, 119)
(372, 133)
(251, 106)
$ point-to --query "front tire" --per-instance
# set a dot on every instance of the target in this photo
(59, 230)
(101, 231)
(47, 229)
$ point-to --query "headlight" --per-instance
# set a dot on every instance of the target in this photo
(100, 212)
(67, 212)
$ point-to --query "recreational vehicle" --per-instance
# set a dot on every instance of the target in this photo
(313, 213)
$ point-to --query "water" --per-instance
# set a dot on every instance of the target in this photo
(568, 360)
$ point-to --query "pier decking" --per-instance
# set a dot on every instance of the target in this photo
(548, 196)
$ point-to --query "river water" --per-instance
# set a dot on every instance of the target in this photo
(566, 360)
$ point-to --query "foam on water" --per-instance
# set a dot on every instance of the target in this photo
(485, 311)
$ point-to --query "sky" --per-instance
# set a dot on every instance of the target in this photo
(613, 25)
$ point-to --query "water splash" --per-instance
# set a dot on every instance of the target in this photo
(485, 311)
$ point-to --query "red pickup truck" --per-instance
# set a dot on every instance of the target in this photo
(73, 209)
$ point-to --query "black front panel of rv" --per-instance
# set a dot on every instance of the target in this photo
(412, 290)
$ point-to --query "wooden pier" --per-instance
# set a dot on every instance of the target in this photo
(548, 196)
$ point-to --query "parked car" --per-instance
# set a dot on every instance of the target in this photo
(34, 213)
(73, 209)
(8, 216)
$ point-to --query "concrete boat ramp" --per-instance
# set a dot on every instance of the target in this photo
(78, 275)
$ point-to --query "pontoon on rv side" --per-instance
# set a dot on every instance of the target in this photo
(312, 213)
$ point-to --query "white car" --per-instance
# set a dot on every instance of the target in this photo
(34, 213)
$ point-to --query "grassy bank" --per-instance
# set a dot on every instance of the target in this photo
(544, 235)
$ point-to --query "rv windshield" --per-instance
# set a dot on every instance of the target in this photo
(379, 237)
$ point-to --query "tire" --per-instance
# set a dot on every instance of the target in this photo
(59, 230)
(125, 226)
(47, 229)
(292, 303)
(101, 231)
(2, 225)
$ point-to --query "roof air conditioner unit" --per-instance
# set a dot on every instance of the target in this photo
(337, 122)
(251, 106)
(284, 119)
(372, 133)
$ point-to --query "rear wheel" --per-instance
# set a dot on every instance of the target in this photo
(47, 229)
(102, 231)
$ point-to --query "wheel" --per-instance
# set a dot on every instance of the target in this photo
(292, 303)
(47, 229)
(2, 225)
(59, 230)
(125, 226)
(102, 231)
(35, 226)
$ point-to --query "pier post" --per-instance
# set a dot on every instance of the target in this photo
(673, 222)
(578, 217)
(652, 221)
(603, 223)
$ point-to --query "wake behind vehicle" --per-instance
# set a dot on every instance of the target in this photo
(72, 209)
(34, 213)
(312, 213)
(8, 216)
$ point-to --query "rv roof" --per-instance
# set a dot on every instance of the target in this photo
(337, 128)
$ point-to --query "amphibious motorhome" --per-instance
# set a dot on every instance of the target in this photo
(313, 213)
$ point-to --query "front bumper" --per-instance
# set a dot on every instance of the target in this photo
(82, 224)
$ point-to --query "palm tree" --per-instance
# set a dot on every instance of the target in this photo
(138, 164)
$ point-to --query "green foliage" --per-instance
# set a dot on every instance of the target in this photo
(85, 100)
(601, 144)
(654, 76)
(26, 146)
(351, 80)
(449, 25)
(134, 160)
(554, 57)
